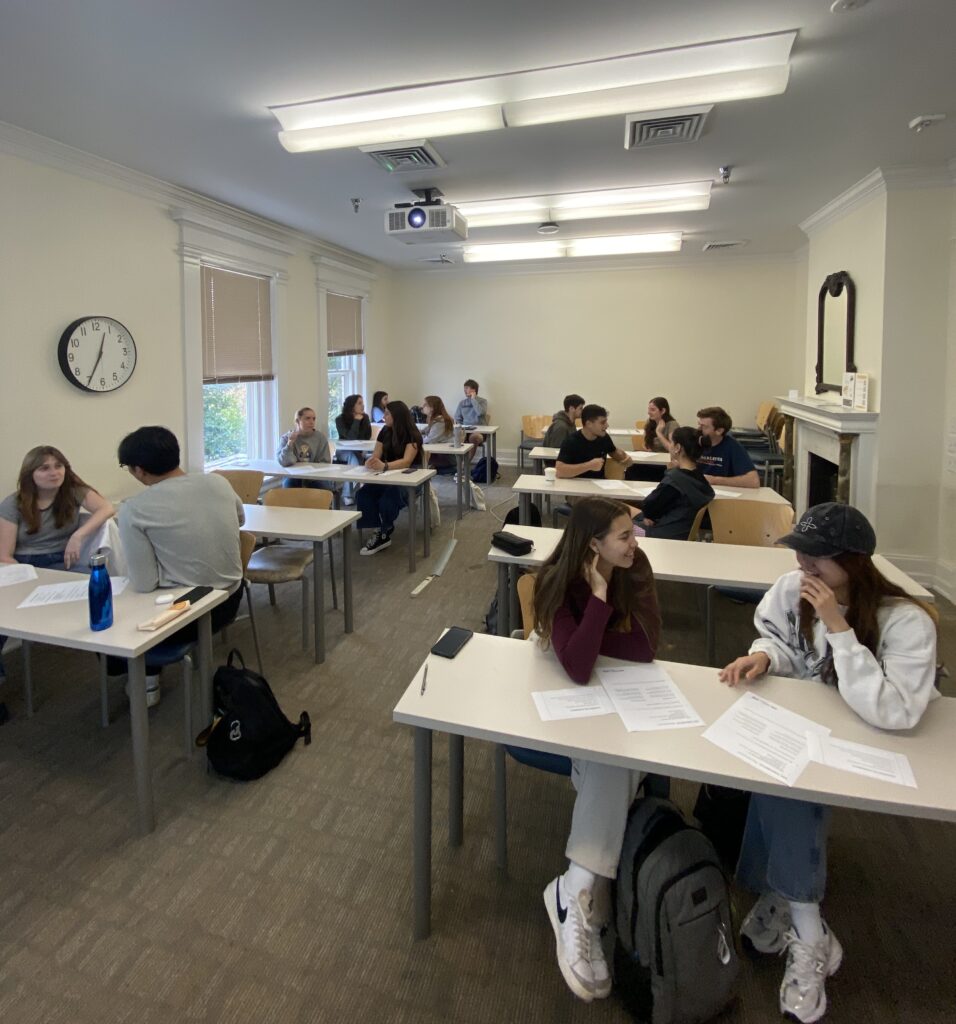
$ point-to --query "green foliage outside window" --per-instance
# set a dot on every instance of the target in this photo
(224, 420)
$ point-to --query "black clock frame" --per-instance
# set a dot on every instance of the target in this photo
(63, 354)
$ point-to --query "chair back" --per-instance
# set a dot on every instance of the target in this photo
(637, 442)
(756, 523)
(698, 519)
(526, 600)
(298, 497)
(614, 470)
(247, 544)
(247, 483)
(639, 424)
(764, 411)
(534, 425)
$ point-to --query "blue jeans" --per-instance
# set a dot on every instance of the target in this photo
(380, 506)
(785, 848)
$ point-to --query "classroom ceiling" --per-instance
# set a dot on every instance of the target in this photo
(180, 90)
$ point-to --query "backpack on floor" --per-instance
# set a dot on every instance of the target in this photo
(249, 735)
(722, 814)
(513, 516)
(479, 471)
(675, 961)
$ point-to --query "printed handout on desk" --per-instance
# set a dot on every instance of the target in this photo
(647, 698)
(18, 572)
(643, 455)
(63, 593)
(885, 765)
(766, 736)
(609, 485)
(727, 492)
(575, 702)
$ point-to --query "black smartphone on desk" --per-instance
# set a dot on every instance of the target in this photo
(452, 642)
(196, 594)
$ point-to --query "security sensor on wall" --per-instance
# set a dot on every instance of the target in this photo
(723, 173)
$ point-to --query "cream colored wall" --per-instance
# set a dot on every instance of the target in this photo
(946, 571)
(696, 335)
(300, 376)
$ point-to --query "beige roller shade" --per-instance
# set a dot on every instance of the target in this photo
(236, 327)
(344, 315)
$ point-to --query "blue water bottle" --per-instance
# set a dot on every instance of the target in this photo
(101, 594)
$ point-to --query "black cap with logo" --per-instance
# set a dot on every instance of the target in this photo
(830, 529)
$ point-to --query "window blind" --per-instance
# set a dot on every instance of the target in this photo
(344, 316)
(236, 327)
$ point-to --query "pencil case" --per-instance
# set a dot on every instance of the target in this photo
(511, 543)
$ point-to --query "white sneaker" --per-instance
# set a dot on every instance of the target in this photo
(765, 927)
(578, 941)
(803, 995)
(153, 693)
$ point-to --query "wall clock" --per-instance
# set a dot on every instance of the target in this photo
(97, 354)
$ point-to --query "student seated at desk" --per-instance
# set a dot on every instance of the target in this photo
(724, 460)
(594, 596)
(379, 401)
(583, 453)
(352, 424)
(439, 429)
(40, 522)
(668, 512)
(472, 411)
(660, 426)
(302, 445)
(839, 621)
(399, 446)
(562, 422)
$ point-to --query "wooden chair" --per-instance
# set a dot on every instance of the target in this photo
(640, 424)
(755, 523)
(247, 483)
(286, 564)
(698, 519)
(637, 442)
(614, 470)
(533, 429)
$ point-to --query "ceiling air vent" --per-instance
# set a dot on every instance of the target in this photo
(406, 156)
(716, 246)
(663, 127)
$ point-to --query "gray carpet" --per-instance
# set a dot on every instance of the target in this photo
(288, 899)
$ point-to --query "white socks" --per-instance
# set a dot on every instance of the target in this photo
(577, 878)
(807, 921)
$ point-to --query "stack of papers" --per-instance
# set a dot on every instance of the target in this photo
(18, 572)
(872, 762)
(63, 593)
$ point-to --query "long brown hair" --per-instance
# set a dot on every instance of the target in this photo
(630, 592)
(439, 411)
(65, 505)
(867, 588)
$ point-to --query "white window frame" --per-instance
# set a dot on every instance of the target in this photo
(353, 375)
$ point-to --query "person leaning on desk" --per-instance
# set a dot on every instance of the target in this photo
(583, 453)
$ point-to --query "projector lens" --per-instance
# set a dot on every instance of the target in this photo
(417, 218)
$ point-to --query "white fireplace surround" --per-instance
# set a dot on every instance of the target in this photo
(818, 424)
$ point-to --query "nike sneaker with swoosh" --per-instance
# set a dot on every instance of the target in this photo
(578, 939)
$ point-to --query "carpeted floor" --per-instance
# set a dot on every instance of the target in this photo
(287, 899)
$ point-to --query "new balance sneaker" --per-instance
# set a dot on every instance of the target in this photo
(803, 994)
(765, 928)
(578, 940)
(378, 543)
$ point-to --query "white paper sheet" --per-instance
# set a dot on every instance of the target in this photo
(63, 593)
(885, 765)
(19, 572)
(647, 698)
(766, 736)
(643, 455)
(726, 492)
(641, 490)
(575, 702)
(610, 485)
(363, 472)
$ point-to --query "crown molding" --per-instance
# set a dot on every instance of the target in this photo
(40, 149)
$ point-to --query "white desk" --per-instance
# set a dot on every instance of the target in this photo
(68, 625)
(485, 693)
(463, 453)
(317, 526)
(541, 455)
(491, 432)
(337, 473)
(624, 432)
(367, 445)
(528, 485)
(738, 566)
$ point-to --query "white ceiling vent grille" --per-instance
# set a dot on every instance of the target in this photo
(718, 246)
(416, 155)
(663, 127)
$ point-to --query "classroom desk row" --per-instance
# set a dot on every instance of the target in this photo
(541, 455)
(485, 693)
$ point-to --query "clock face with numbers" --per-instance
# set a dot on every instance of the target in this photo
(97, 354)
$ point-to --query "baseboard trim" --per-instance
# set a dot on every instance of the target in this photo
(936, 576)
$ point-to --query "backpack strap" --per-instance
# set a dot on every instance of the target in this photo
(202, 739)
(236, 653)
(305, 727)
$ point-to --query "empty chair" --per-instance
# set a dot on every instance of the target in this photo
(247, 483)
(756, 523)
(533, 429)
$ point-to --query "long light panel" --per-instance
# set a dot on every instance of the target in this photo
(610, 245)
(706, 73)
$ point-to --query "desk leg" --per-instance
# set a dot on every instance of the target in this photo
(318, 599)
(347, 576)
(539, 467)
(504, 599)
(427, 516)
(422, 836)
(501, 808)
(460, 483)
(456, 789)
(711, 639)
(515, 619)
(489, 455)
(26, 647)
(139, 729)
(524, 509)
(412, 526)
(204, 627)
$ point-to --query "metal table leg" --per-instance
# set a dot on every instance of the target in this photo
(524, 509)
(139, 730)
(456, 789)
(501, 808)
(460, 484)
(422, 836)
(318, 600)
(347, 576)
(489, 455)
(504, 599)
(427, 516)
(412, 527)
(711, 639)
(204, 627)
(25, 647)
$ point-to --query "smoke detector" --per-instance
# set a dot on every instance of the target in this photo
(922, 121)
(549, 227)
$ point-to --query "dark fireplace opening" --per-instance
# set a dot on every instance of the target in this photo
(823, 481)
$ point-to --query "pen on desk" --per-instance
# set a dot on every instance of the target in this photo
(424, 680)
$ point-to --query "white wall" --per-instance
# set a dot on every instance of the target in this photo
(946, 564)
(726, 335)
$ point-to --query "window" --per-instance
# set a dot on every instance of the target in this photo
(346, 351)
(346, 377)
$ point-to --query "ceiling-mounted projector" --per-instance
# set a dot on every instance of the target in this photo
(428, 220)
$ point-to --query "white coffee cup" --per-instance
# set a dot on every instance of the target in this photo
(550, 474)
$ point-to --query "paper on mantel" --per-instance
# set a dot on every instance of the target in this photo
(575, 702)
(63, 593)
(647, 698)
(18, 572)
(726, 492)
(885, 765)
(766, 736)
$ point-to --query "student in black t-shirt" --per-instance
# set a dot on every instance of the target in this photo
(583, 454)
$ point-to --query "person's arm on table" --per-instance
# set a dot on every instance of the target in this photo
(100, 510)
(567, 470)
(142, 567)
(8, 541)
(750, 479)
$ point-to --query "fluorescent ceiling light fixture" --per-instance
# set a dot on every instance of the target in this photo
(616, 245)
(615, 202)
(706, 73)
(610, 245)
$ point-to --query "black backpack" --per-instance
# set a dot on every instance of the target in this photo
(249, 735)
(512, 518)
(479, 471)
(675, 961)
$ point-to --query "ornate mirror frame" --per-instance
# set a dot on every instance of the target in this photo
(833, 286)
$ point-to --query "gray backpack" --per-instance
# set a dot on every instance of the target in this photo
(675, 961)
